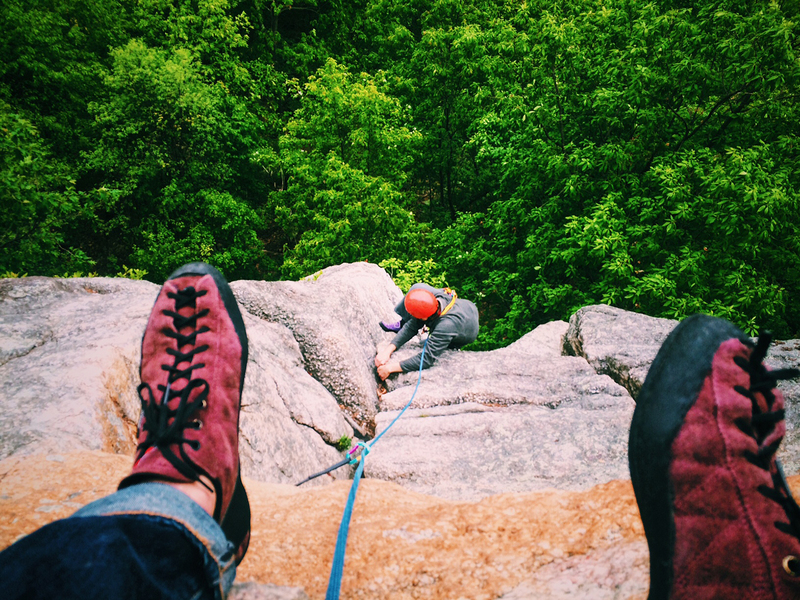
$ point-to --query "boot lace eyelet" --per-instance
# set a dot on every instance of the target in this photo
(791, 565)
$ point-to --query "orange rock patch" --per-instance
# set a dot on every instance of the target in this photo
(401, 545)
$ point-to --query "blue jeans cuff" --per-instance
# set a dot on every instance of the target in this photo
(160, 500)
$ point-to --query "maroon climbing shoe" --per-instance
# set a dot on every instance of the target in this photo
(194, 355)
(719, 518)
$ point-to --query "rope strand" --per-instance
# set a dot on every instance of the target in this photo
(337, 567)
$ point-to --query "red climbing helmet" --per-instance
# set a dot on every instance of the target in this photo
(421, 304)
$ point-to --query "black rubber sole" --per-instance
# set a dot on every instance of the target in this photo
(669, 391)
(236, 524)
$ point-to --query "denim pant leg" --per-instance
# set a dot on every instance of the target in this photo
(146, 541)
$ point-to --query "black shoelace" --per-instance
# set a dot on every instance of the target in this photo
(759, 427)
(164, 426)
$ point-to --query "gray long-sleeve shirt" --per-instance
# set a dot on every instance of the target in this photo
(455, 329)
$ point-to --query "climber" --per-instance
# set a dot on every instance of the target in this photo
(452, 323)
(179, 523)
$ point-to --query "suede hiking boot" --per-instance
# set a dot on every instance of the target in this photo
(194, 356)
(719, 518)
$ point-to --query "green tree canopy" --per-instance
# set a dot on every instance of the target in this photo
(538, 156)
(345, 153)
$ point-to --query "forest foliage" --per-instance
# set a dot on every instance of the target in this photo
(536, 156)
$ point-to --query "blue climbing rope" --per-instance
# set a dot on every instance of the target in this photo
(337, 568)
(358, 457)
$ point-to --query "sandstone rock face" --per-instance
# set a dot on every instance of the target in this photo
(786, 355)
(619, 572)
(334, 317)
(288, 421)
(455, 367)
(470, 451)
(69, 368)
(623, 345)
(520, 418)
(69, 360)
(402, 545)
(617, 342)
(265, 591)
(511, 375)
